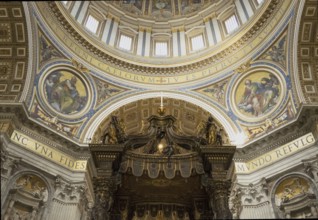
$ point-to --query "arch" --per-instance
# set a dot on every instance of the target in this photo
(296, 75)
(232, 131)
(19, 174)
(7, 198)
(277, 183)
(30, 36)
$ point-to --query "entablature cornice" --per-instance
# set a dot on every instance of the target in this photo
(307, 122)
(150, 65)
(18, 117)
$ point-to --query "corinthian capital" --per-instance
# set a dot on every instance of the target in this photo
(69, 192)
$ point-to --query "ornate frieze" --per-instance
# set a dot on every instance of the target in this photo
(311, 167)
(305, 124)
(18, 114)
(8, 163)
(68, 192)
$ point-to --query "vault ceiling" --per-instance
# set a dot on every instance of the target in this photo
(13, 51)
(135, 117)
(307, 52)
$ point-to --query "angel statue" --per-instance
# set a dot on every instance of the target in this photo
(110, 135)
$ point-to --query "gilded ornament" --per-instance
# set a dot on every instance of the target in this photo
(80, 66)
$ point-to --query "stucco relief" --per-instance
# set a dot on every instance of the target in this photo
(54, 122)
(32, 185)
(277, 52)
(295, 198)
(289, 189)
(27, 198)
(216, 91)
(288, 114)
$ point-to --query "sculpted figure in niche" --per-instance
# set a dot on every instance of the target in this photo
(112, 135)
(23, 181)
(37, 190)
(287, 194)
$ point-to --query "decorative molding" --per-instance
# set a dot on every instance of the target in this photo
(69, 192)
(272, 8)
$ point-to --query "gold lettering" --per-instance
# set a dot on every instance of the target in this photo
(268, 158)
(24, 139)
(47, 152)
(310, 139)
(240, 167)
(151, 79)
(276, 154)
(83, 165)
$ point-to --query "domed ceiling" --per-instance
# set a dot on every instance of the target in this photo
(178, 35)
(244, 78)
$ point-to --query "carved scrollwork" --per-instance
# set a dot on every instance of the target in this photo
(69, 192)
(255, 193)
(104, 189)
(8, 163)
(236, 202)
(311, 167)
(218, 191)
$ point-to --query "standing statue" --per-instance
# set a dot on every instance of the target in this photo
(200, 129)
(208, 132)
(211, 131)
(115, 133)
(110, 135)
(219, 140)
(212, 134)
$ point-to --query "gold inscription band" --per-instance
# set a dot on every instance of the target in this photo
(48, 152)
(275, 155)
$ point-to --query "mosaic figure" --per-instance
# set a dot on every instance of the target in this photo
(47, 50)
(277, 52)
(65, 92)
(217, 91)
(260, 94)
